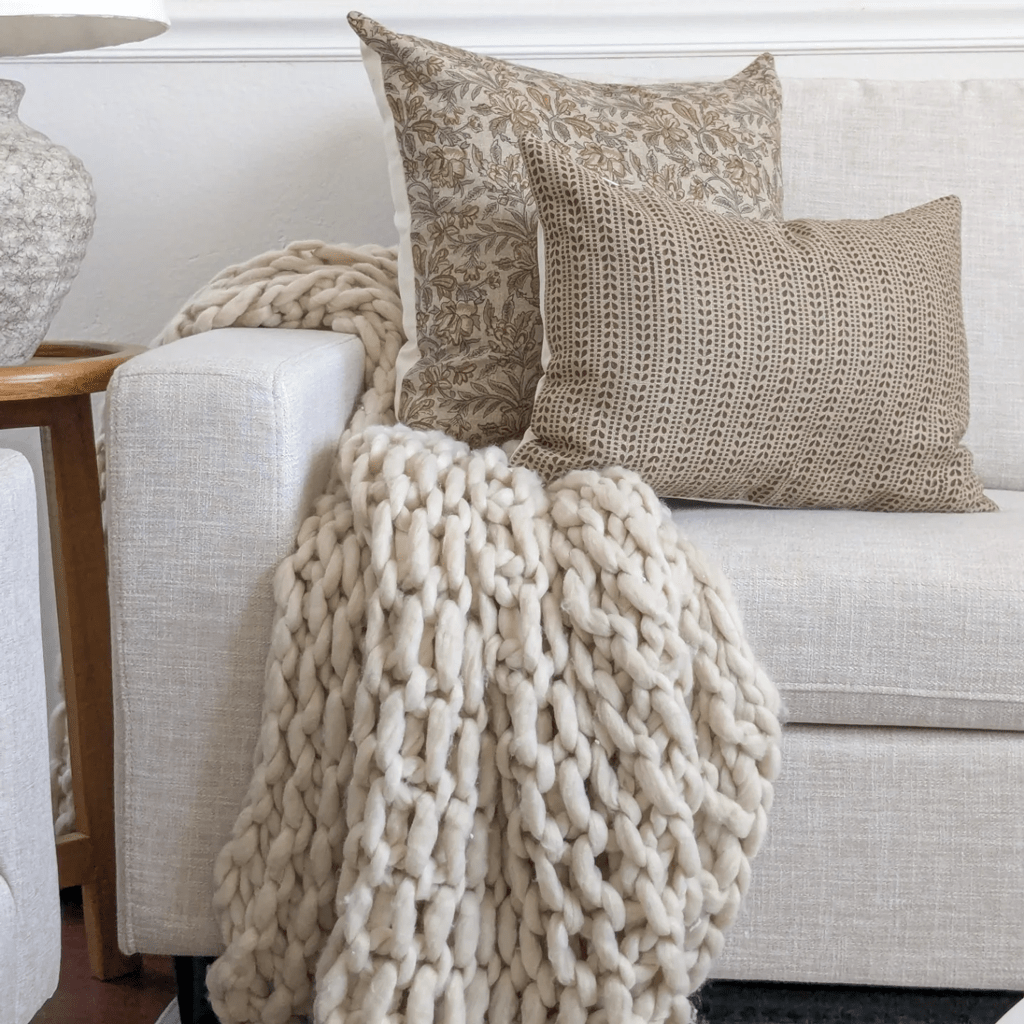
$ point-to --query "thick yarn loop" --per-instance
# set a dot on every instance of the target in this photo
(62, 796)
(516, 755)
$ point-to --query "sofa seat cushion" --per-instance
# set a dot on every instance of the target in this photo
(884, 619)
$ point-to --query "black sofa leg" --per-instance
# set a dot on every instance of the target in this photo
(190, 975)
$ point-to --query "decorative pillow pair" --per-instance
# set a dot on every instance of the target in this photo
(689, 334)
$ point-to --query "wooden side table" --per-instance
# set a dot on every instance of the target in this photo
(52, 391)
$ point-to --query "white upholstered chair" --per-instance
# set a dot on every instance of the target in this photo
(29, 893)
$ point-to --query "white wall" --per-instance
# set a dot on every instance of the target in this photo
(250, 124)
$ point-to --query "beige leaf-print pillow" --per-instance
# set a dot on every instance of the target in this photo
(796, 364)
(468, 223)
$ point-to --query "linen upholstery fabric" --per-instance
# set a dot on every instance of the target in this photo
(467, 221)
(803, 364)
(29, 894)
(856, 786)
(966, 938)
(216, 446)
(865, 148)
(905, 621)
(892, 859)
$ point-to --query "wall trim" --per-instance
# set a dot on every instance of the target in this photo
(221, 31)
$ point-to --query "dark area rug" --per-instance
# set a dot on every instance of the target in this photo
(733, 1002)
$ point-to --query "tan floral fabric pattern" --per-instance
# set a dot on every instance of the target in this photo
(798, 364)
(467, 251)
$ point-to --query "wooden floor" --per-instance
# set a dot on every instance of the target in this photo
(81, 999)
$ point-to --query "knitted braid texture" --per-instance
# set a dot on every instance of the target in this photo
(516, 755)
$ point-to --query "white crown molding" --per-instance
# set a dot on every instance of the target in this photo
(316, 30)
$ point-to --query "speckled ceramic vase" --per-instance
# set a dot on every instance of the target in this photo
(46, 216)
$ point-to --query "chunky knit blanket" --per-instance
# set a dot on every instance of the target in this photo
(516, 755)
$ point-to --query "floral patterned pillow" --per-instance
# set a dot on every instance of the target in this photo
(468, 223)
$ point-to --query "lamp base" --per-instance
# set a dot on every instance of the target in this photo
(47, 210)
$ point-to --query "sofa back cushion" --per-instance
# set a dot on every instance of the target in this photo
(866, 148)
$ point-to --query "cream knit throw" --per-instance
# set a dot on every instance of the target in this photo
(516, 754)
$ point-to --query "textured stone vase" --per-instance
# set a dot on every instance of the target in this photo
(47, 210)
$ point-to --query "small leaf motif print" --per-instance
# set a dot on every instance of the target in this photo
(445, 166)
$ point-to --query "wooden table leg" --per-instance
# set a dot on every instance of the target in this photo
(88, 857)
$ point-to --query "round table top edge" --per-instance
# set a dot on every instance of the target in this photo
(63, 368)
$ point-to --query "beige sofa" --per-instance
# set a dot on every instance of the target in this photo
(895, 853)
(29, 896)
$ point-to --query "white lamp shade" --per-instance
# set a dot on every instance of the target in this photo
(55, 26)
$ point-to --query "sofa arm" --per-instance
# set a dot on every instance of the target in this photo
(29, 894)
(217, 446)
